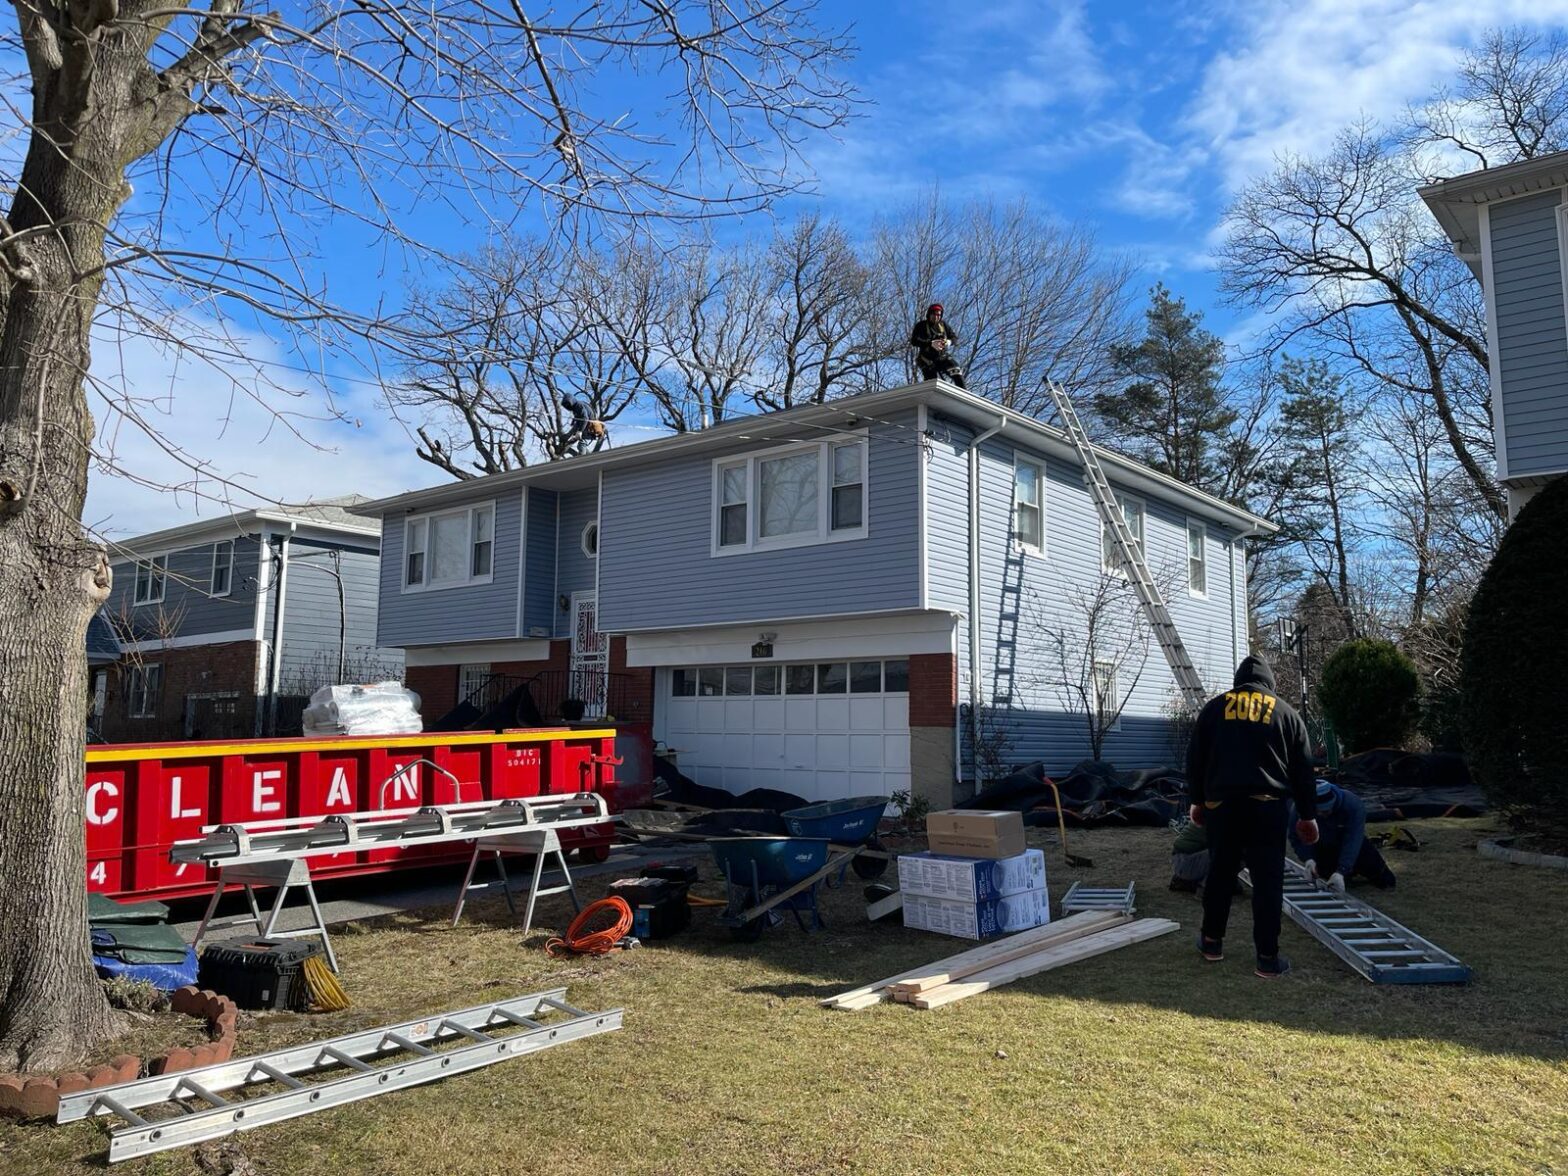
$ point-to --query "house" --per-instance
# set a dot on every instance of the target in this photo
(103, 651)
(1510, 226)
(792, 599)
(198, 608)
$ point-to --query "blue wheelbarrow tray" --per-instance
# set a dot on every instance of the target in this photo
(758, 870)
(850, 821)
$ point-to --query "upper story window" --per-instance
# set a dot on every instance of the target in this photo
(1197, 559)
(1132, 512)
(1029, 504)
(590, 540)
(150, 576)
(449, 549)
(222, 568)
(790, 497)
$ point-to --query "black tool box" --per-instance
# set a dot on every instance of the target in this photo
(257, 973)
(658, 905)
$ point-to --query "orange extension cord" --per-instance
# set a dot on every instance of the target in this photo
(578, 941)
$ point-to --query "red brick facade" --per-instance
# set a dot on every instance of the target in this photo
(227, 669)
(933, 690)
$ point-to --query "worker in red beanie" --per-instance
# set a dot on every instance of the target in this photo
(1248, 758)
(935, 340)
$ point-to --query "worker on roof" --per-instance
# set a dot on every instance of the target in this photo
(935, 341)
(1342, 851)
(584, 434)
(1247, 760)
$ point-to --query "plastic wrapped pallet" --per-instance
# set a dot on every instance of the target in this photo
(378, 708)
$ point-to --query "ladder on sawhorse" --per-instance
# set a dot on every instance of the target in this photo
(282, 874)
(1098, 898)
(1383, 951)
(326, 1074)
(542, 843)
(1130, 554)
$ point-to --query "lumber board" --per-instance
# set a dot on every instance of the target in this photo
(772, 901)
(1057, 956)
(985, 951)
(1085, 923)
(885, 906)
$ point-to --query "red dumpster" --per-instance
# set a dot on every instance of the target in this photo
(143, 797)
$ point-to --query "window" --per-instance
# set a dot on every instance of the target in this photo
(809, 678)
(683, 683)
(710, 681)
(1132, 513)
(222, 567)
(895, 675)
(800, 679)
(804, 494)
(832, 678)
(767, 679)
(143, 690)
(1028, 505)
(1106, 705)
(1197, 559)
(865, 677)
(471, 678)
(149, 579)
(591, 540)
(450, 549)
(737, 680)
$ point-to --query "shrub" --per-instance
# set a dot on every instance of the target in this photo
(1512, 683)
(1369, 692)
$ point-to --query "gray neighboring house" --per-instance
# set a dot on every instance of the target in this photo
(198, 609)
(812, 600)
(1510, 226)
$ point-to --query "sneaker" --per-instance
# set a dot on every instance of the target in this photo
(1272, 969)
(1211, 949)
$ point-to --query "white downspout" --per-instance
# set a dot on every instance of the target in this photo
(974, 588)
(278, 621)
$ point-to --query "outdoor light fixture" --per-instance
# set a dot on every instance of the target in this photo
(564, 601)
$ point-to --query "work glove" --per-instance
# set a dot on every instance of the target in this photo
(1336, 883)
(1312, 870)
(1195, 815)
(1307, 831)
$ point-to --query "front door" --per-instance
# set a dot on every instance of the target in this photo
(590, 656)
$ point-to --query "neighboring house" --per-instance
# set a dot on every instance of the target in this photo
(1510, 226)
(792, 599)
(196, 609)
(103, 650)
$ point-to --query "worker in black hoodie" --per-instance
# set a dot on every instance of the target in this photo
(1248, 756)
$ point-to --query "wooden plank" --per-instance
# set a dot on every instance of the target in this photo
(983, 952)
(885, 906)
(1074, 927)
(1043, 961)
(769, 903)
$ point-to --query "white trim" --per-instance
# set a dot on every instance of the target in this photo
(1245, 637)
(582, 543)
(522, 557)
(1203, 542)
(1494, 362)
(490, 651)
(151, 562)
(257, 632)
(824, 532)
(622, 630)
(212, 591)
(555, 580)
(469, 511)
(1021, 457)
(188, 641)
(140, 673)
(923, 506)
(811, 640)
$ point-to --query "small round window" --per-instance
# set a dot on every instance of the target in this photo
(591, 540)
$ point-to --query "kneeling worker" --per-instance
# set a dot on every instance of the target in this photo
(1343, 850)
(1247, 759)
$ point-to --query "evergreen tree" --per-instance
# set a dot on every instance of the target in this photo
(1173, 408)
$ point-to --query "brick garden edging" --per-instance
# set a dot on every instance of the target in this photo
(38, 1096)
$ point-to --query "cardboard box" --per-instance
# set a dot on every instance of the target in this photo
(978, 920)
(967, 879)
(971, 833)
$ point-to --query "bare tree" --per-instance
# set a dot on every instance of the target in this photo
(254, 135)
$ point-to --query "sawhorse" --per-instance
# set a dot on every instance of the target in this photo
(282, 874)
(539, 842)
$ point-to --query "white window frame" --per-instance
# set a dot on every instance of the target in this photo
(137, 693)
(153, 563)
(824, 532)
(477, 674)
(470, 514)
(212, 580)
(1197, 528)
(1019, 542)
(1094, 677)
(1108, 562)
(590, 527)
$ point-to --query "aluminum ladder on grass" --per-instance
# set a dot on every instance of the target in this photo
(1185, 672)
(288, 1083)
(1098, 898)
(1383, 951)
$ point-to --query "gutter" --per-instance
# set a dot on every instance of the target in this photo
(974, 591)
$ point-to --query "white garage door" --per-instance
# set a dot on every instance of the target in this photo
(819, 730)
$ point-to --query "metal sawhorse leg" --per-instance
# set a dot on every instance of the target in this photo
(281, 874)
(541, 843)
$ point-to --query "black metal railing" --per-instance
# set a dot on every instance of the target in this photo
(546, 698)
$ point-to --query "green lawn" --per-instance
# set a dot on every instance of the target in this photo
(1145, 1060)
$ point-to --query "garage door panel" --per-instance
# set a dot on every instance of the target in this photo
(868, 784)
(895, 712)
(895, 753)
(737, 715)
(738, 780)
(769, 777)
(800, 714)
(865, 751)
(833, 752)
(867, 714)
(804, 784)
(832, 714)
(738, 747)
(767, 714)
(800, 751)
(767, 750)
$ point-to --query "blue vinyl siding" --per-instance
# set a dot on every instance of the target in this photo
(574, 570)
(1532, 337)
(312, 617)
(657, 569)
(482, 612)
(189, 609)
(539, 603)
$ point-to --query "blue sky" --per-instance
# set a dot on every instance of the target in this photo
(1139, 119)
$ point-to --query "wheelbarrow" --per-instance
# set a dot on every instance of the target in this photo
(851, 822)
(764, 874)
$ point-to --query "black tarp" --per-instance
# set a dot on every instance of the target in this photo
(1401, 785)
(671, 785)
(1093, 793)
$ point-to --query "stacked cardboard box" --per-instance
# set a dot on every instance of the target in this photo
(993, 886)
